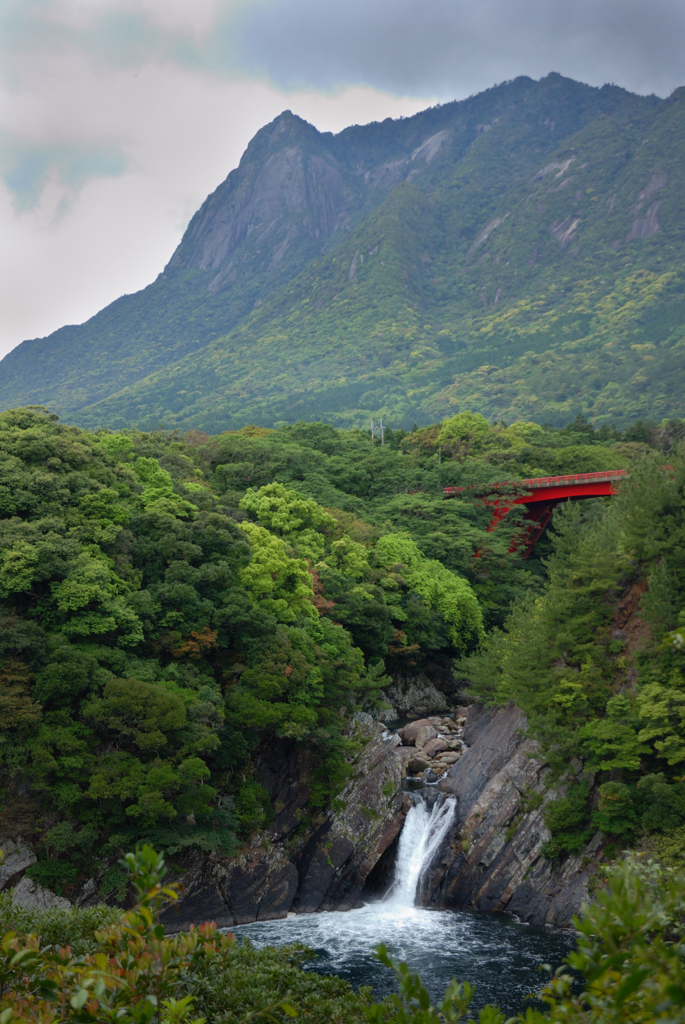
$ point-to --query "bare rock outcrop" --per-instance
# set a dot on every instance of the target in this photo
(307, 861)
(18, 857)
(32, 896)
(494, 859)
(302, 862)
(282, 202)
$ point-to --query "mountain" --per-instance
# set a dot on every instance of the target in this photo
(518, 253)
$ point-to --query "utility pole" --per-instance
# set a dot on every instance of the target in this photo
(377, 428)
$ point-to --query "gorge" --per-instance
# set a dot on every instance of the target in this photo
(499, 956)
(465, 835)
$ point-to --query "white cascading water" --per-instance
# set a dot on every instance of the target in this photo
(424, 831)
(440, 944)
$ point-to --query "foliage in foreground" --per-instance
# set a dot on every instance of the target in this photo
(131, 972)
(630, 951)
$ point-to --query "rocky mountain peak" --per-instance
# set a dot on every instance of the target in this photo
(286, 194)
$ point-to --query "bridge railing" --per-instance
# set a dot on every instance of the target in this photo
(542, 481)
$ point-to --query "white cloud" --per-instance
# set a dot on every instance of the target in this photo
(108, 164)
(117, 117)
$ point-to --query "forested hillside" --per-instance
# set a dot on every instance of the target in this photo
(169, 602)
(518, 254)
(596, 663)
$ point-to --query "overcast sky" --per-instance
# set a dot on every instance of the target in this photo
(117, 117)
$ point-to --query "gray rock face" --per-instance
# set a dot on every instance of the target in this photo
(297, 866)
(287, 192)
(32, 896)
(417, 695)
(491, 860)
(494, 861)
(18, 857)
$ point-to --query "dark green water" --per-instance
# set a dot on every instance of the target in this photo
(501, 957)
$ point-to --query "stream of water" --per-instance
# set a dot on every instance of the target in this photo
(501, 957)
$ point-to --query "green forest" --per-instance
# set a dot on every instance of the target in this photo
(518, 253)
(170, 601)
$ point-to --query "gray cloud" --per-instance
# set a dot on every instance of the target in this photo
(117, 117)
(456, 47)
(26, 166)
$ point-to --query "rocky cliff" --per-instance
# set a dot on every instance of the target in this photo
(491, 860)
(287, 193)
(314, 860)
(305, 860)
(494, 859)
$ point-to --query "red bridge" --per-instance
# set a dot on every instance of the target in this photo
(540, 496)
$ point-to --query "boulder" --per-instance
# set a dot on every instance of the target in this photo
(424, 734)
(450, 757)
(408, 734)
(434, 747)
(418, 764)
(405, 755)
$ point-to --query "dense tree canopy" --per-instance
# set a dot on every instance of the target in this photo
(598, 684)
(167, 603)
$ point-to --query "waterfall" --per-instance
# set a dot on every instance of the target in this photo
(423, 833)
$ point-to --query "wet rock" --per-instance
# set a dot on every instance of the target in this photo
(18, 857)
(485, 868)
(434, 747)
(418, 764)
(404, 755)
(454, 746)
(32, 896)
(424, 734)
(409, 733)
(257, 886)
(431, 795)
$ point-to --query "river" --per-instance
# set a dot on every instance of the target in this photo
(493, 951)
